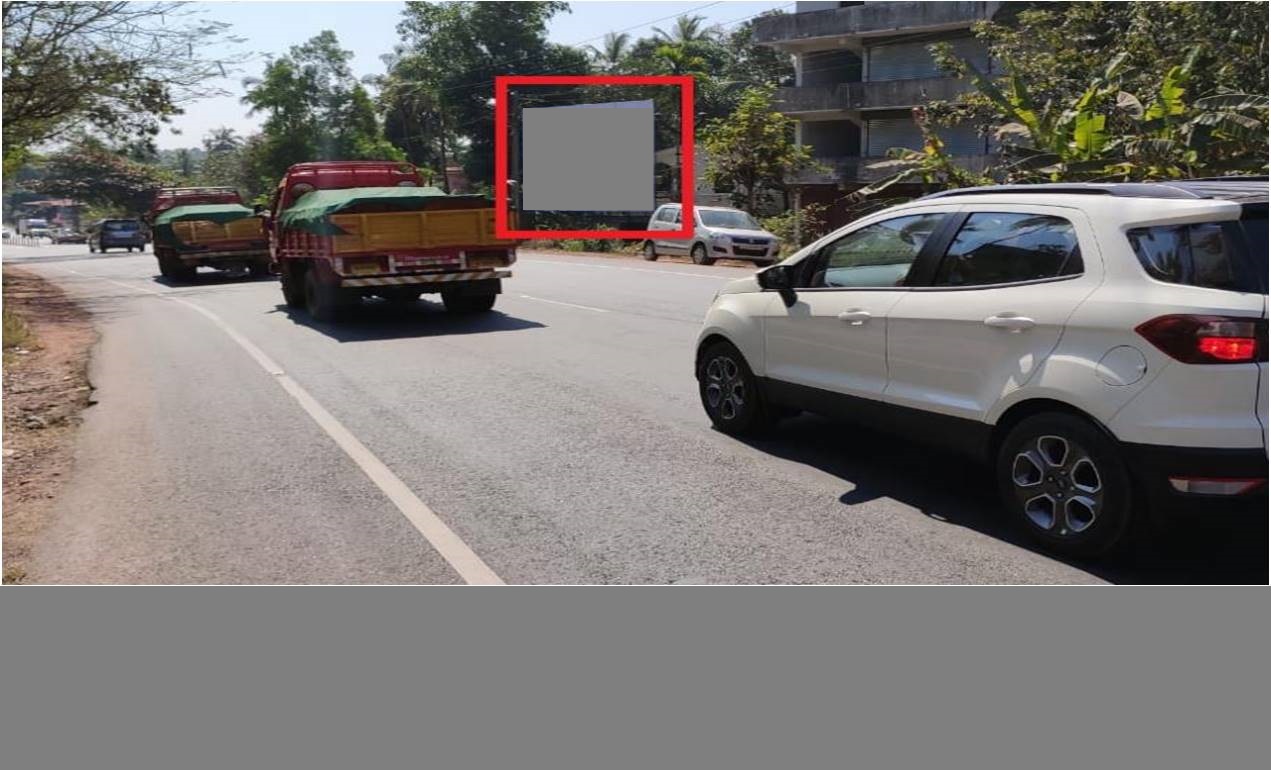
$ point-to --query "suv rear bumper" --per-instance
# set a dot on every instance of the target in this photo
(1152, 467)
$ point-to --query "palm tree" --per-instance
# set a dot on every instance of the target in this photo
(223, 139)
(612, 51)
(687, 29)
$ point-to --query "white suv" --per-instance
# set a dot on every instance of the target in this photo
(1103, 345)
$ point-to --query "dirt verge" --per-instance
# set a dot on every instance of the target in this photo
(46, 348)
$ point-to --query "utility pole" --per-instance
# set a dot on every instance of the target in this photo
(445, 174)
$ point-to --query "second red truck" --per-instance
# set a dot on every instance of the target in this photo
(342, 230)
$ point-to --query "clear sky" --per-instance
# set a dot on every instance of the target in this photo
(369, 29)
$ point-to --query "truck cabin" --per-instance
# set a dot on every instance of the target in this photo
(341, 175)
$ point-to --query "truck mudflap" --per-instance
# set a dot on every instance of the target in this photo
(407, 280)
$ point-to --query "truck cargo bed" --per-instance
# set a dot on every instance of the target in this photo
(201, 232)
(403, 230)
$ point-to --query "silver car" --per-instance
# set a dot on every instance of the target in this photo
(718, 233)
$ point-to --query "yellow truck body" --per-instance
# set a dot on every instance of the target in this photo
(404, 230)
(200, 231)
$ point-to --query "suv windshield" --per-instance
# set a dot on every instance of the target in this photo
(738, 220)
(120, 226)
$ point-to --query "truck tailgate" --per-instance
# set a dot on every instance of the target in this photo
(415, 230)
(202, 231)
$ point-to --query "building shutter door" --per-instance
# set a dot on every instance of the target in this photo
(886, 133)
(901, 61)
(961, 140)
(972, 50)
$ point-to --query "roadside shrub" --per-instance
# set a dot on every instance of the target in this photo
(808, 221)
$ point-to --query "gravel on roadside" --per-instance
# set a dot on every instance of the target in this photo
(46, 349)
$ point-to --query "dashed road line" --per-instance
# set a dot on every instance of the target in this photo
(566, 304)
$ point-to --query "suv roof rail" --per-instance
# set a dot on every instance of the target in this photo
(1221, 188)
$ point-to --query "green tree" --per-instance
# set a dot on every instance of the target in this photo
(315, 109)
(611, 53)
(88, 171)
(223, 139)
(687, 29)
(462, 46)
(1055, 51)
(119, 69)
(753, 149)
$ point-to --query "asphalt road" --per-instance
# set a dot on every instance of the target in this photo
(559, 438)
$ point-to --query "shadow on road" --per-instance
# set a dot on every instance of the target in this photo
(376, 319)
(215, 278)
(961, 493)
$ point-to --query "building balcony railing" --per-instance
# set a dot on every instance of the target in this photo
(840, 170)
(869, 18)
(879, 94)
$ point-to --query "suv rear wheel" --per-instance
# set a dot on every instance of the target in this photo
(1063, 480)
(730, 393)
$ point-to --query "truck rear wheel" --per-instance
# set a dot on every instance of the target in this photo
(259, 268)
(468, 303)
(293, 288)
(324, 300)
(174, 269)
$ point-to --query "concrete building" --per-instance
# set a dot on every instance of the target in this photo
(860, 69)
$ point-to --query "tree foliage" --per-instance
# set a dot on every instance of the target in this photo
(315, 109)
(119, 69)
(455, 49)
(753, 149)
(1108, 91)
(90, 172)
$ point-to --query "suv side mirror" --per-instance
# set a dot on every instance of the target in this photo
(779, 278)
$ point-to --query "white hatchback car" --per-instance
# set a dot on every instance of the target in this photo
(1104, 346)
(718, 233)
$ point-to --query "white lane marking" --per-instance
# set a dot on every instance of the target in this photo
(633, 269)
(448, 544)
(566, 304)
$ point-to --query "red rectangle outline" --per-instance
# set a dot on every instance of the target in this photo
(501, 83)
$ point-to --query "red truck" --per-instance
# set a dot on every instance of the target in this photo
(208, 226)
(343, 230)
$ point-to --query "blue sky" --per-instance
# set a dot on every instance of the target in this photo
(369, 30)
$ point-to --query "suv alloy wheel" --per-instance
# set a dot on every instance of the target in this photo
(1064, 481)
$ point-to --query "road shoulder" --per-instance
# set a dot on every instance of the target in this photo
(46, 387)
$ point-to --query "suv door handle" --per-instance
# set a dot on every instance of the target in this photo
(1015, 323)
(855, 317)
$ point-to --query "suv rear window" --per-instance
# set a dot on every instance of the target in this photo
(1213, 255)
(120, 225)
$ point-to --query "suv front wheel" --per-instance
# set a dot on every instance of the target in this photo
(1063, 480)
(730, 393)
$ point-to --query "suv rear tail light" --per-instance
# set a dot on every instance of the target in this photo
(1208, 339)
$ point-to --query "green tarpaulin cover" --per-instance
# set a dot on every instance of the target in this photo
(211, 212)
(311, 211)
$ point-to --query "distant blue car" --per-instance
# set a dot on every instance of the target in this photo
(116, 234)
